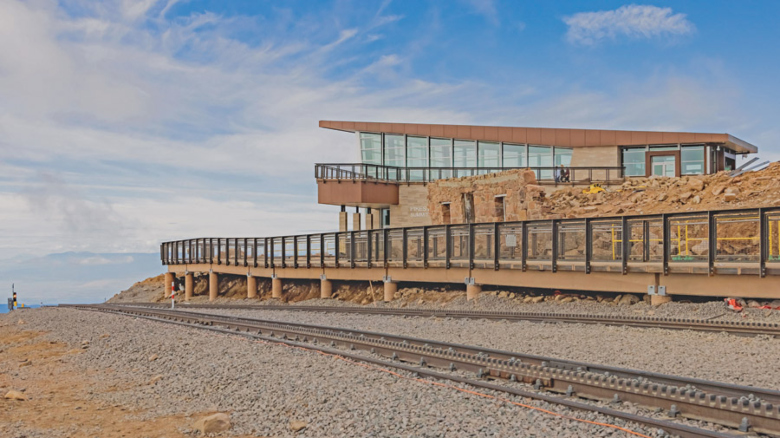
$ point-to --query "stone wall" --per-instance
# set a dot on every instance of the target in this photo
(412, 209)
(523, 198)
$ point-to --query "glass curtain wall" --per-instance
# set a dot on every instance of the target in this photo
(515, 156)
(441, 156)
(489, 155)
(541, 156)
(371, 148)
(465, 155)
(634, 161)
(692, 160)
(417, 156)
(395, 154)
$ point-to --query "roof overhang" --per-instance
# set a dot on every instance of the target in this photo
(562, 137)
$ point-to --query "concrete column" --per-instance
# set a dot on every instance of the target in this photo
(657, 300)
(326, 288)
(169, 276)
(276, 287)
(251, 286)
(213, 285)
(343, 221)
(356, 221)
(473, 291)
(369, 221)
(189, 285)
(391, 288)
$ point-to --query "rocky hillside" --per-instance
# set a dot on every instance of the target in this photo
(669, 195)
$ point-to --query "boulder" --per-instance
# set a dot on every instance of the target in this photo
(214, 423)
(297, 425)
(538, 299)
(628, 299)
(696, 184)
(731, 194)
(15, 395)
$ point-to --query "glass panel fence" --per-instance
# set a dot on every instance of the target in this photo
(484, 242)
(437, 243)
(571, 241)
(459, 242)
(738, 238)
(396, 243)
(773, 236)
(511, 242)
(414, 245)
(607, 240)
(540, 241)
(688, 238)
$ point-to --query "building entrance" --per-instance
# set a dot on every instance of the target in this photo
(663, 165)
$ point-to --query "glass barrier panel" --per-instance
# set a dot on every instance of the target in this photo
(344, 247)
(511, 242)
(606, 240)
(484, 242)
(459, 242)
(330, 249)
(361, 246)
(738, 238)
(377, 238)
(688, 238)
(571, 241)
(437, 243)
(540, 241)
(223, 250)
(414, 245)
(396, 242)
(773, 236)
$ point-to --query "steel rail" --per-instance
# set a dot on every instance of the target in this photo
(733, 327)
(721, 403)
(670, 427)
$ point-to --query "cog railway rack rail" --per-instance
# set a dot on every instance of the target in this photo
(746, 408)
(746, 328)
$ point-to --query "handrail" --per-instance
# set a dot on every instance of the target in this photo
(375, 172)
(736, 241)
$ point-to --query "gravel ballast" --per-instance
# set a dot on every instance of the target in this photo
(712, 356)
(170, 369)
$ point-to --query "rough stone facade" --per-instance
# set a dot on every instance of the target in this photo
(412, 209)
(523, 199)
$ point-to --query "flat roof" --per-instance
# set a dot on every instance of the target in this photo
(563, 137)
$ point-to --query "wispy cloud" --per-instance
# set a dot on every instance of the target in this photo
(486, 8)
(631, 21)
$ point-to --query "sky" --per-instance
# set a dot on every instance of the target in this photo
(125, 123)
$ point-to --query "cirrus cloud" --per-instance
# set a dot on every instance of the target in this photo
(632, 21)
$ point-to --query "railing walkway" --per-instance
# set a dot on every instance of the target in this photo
(744, 242)
(544, 175)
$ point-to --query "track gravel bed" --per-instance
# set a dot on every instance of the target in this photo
(265, 387)
(712, 356)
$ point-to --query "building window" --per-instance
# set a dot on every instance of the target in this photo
(395, 154)
(371, 148)
(692, 160)
(562, 157)
(634, 161)
(445, 213)
(500, 207)
(541, 156)
(465, 154)
(385, 217)
(514, 155)
(417, 156)
(468, 207)
(441, 156)
(489, 155)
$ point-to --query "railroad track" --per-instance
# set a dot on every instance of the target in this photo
(739, 407)
(748, 328)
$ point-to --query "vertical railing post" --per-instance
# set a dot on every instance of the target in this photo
(246, 250)
(405, 249)
(524, 249)
(496, 246)
(588, 244)
(425, 247)
(308, 251)
(666, 242)
(447, 246)
(386, 237)
(763, 240)
(646, 240)
(626, 237)
(338, 249)
(266, 250)
(554, 232)
(295, 252)
(254, 252)
(352, 247)
(219, 251)
(712, 243)
(284, 252)
(322, 251)
(471, 246)
(368, 248)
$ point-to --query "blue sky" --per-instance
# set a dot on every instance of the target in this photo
(124, 123)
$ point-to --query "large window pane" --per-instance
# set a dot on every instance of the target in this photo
(489, 154)
(395, 154)
(692, 160)
(514, 155)
(371, 148)
(562, 156)
(416, 156)
(634, 161)
(465, 154)
(441, 156)
(541, 156)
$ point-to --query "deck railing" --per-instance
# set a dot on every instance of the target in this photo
(545, 175)
(745, 241)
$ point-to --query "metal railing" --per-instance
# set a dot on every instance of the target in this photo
(374, 172)
(741, 241)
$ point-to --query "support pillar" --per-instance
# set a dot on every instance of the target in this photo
(473, 291)
(169, 276)
(326, 287)
(189, 285)
(343, 219)
(369, 219)
(391, 288)
(276, 287)
(356, 219)
(657, 300)
(251, 286)
(213, 285)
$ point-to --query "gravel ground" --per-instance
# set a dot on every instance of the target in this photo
(265, 387)
(712, 356)
(490, 301)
